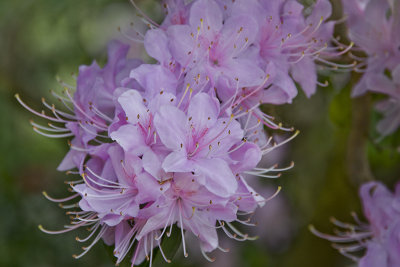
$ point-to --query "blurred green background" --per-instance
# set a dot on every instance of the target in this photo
(336, 150)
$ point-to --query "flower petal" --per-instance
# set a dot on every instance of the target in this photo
(177, 162)
(132, 104)
(203, 111)
(219, 177)
(305, 73)
(156, 44)
(130, 138)
(170, 123)
(209, 13)
(155, 78)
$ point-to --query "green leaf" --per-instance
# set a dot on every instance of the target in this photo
(170, 246)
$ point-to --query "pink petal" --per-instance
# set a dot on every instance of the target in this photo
(130, 138)
(305, 73)
(238, 33)
(208, 11)
(156, 44)
(181, 42)
(219, 177)
(170, 123)
(247, 157)
(132, 103)
(177, 162)
(154, 78)
(203, 111)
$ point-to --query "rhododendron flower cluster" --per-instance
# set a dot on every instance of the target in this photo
(252, 44)
(169, 143)
(380, 236)
(374, 27)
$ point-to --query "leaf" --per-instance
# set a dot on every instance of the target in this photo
(170, 246)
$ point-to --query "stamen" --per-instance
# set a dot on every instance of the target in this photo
(59, 200)
(86, 250)
(101, 178)
(151, 249)
(338, 239)
(89, 236)
(162, 252)
(52, 135)
(127, 36)
(267, 150)
(181, 226)
(84, 176)
(195, 150)
(136, 253)
(184, 94)
(325, 84)
(236, 231)
(155, 24)
(99, 113)
(224, 249)
(206, 257)
(35, 112)
(61, 231)
(167, 223)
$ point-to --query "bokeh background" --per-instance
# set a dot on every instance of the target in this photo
(338, 148)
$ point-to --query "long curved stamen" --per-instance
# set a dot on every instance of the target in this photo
(92, 132)
(99, 113)
(43, 115)
(130, 38)
(57, 113)
(52, 135)
(144, 14)
(78, 107)
(90, 235)
(263, 175)
(261, 86)
(103, 185)
(59, 200)
(181, 226)
(167, 223)
(86, 249)
(236, 231)
(276, 145)
(205, 256)
(274, 194)
(162, 252)
(337, 239)
(230, 235)
(136, 253)
(49, 129)
(61, 231)
(101, 178)
(249, 110)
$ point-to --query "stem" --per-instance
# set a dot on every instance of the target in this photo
(358, 167)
